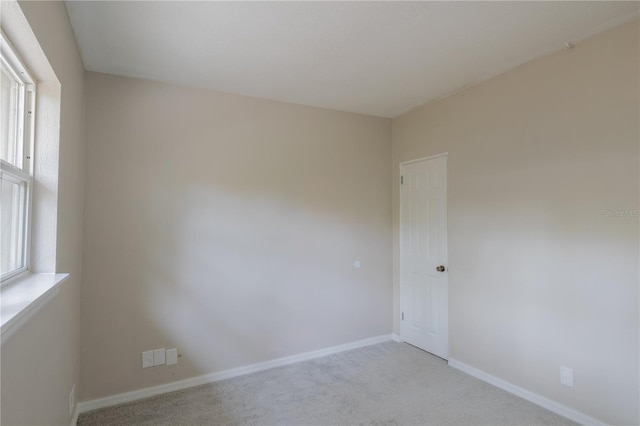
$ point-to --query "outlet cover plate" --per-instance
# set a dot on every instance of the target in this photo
(147, 359)
(172, 356)
(158, 357)
(566, 376)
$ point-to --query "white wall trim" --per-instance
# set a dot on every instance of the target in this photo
(430, 157)
(550, 405)
(396, 338)
(93, 404)
(23, 297)
(76, 414)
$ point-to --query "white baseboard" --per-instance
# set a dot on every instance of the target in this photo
(74, 418)
(396, 338)
(550, 405)
(226, 374)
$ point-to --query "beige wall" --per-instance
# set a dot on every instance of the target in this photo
(227, 227)
(40, 363)
(539, 275)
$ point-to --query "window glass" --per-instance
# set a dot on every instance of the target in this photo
(12, 220)
(10, 145)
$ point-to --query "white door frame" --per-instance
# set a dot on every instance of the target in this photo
(404, 163)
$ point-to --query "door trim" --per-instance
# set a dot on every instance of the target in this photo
(402, 290)
(431, 157)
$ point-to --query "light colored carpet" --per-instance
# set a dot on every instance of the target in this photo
(385, 384)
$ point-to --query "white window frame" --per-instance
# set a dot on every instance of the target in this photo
(22, 172)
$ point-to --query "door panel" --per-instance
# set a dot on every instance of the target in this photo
(423, 247)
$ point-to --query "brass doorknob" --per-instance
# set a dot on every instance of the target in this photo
(440, 268)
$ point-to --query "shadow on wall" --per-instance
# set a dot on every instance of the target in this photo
(229, 230)
(540, 257)
(242, 278)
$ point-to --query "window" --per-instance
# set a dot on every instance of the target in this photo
(16, 144)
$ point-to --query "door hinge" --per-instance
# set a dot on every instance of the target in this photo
(403, 316)
(401, 180)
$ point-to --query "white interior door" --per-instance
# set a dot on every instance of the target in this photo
(423, 255)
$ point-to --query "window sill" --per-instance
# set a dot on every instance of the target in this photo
(22, 297)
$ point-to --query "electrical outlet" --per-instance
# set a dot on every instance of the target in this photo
(72, 400)
(566, 376)
(172, 356)
(147, 359)
(158, 357)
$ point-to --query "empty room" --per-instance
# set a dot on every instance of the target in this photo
(320, 213)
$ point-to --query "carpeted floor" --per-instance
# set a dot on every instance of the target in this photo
(385, 384)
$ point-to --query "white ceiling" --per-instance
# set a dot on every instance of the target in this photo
(378, 58)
